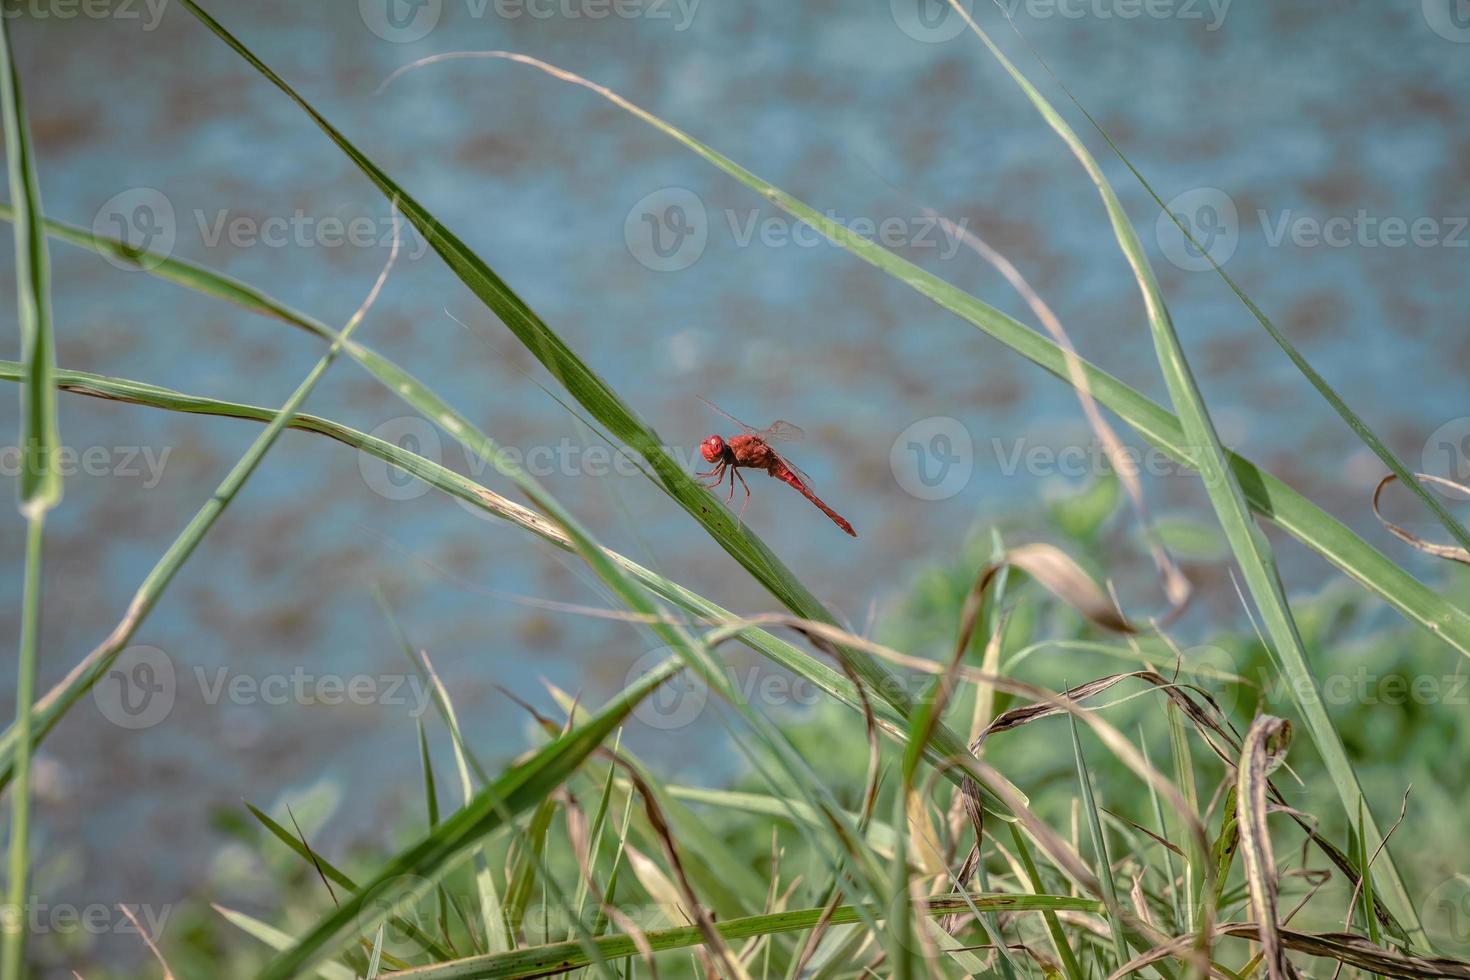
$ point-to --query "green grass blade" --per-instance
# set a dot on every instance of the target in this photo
(518, 789)
(499, 929)
(40, 476)
(20, 793)
(276, 939)
(1099, 847)
(40, 479)
(334, 874)
(1248, 542)
(1059, 942)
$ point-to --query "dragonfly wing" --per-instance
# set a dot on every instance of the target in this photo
(749, 430)
(801, 474)
(782, 431)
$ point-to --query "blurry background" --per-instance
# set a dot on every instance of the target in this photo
(673, 282)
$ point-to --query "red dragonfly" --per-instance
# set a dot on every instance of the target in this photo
(752, 449)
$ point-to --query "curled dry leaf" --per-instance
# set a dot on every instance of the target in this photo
(1445, 551)
(1059, 574)
(1264, 750)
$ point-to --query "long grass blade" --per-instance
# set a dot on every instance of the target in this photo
(40, 477)
(1253, 553)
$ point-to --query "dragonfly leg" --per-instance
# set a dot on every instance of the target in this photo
(716, 475)
(733, 474)
(746, 502)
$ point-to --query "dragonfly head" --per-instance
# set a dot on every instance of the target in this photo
(712, 449)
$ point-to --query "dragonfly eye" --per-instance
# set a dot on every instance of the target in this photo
(712, 449)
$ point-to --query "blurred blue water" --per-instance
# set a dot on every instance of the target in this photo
(1294, 111)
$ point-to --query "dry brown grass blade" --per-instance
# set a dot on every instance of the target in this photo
(1445, 551)
(1058, 574)
(1264, 749)
(1359, 952)
(168, 974)
(1203, 721)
